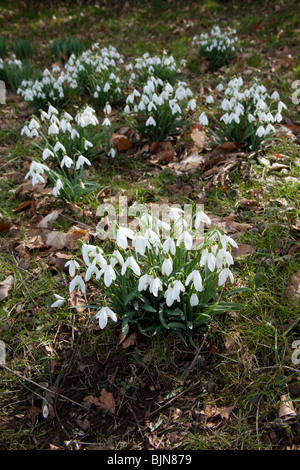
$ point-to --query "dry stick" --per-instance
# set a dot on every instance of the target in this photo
(40, 386)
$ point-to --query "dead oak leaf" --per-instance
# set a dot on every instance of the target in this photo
(5, 286)
(211, 412)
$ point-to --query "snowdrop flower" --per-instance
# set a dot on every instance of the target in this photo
(122, 234)
(107, 108)
(281, 106)
(140, 243)
(186, 238)
(103, 314)
(47, 153)
(132, 264)
(53, 129)
(116, 257)
(109, 275)
(169, 246)
(192, 104)
(224, 239)
(210, 99)
(66, 161)
(73, 265)
(81, 161)
(155, 285)
(144, 282)
(220, 87)
(150, 121)
(173, 292)
(58, 186)
(167, 266)
(201, 216)
(194, 300)
(77, 281)
(196, 278)
(92, 269)
(260, 131)
(52, 110)
(208, 258)
(203, 119)
(224, 274)
(87, 144)
(106, 122)
(59, 302)
(275, 95)
(91, 251)
(58, 146)
(222, 256)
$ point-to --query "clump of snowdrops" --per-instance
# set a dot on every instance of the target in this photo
(159, 109)
(218, 46)
(156, 278)
(67, 146)
(246, 114)
(165, 68)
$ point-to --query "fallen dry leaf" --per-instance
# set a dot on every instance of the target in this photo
(5, 286)
(286, 408)
(242, 251)
(5, 226)
(293, 289)
(211, 412)
(48, 218)
(22, 206)
(107, 401)
(121, 142)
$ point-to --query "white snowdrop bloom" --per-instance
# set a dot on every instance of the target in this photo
(220, 87)
(196, 279)
(121, 237)
(278, 117)
(270, 129)
(187, 239)
(66, 161)
(59, 302)
(210, 99)
(52, 110)
(251, 118)
(155, 285)
(150, 121)
(167, 266)
(74, 134)
(173, 292)
(144, 282)
(223, 276)
(58, 186)
(92, 270)
(169, 246)
(73, 265)
(106, 122)
(109, 274)
(275, 95)
(132, 264)
(203, 119)
(81, 161)
(194, 300)
(87, 144)
(77, 281)
(208, 258)
(260, 132)
(103, 314)
(192, 104)
(281, 106)
(25, 130)
(140, 243)
(107, 108)
(58, 146)
(225, 239)
(223, 256)
(201, 216)
(53, 129)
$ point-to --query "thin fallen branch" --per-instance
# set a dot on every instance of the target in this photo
(32, 382)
